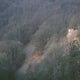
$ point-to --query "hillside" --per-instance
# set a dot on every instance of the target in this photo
(37, 38)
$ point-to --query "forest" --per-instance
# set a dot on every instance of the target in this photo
(39, 39)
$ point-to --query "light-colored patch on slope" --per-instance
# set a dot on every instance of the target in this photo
(31, 61)
(72, 35)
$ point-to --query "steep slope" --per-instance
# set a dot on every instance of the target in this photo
(41, 26)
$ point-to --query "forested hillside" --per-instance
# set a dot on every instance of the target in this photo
(39, 39)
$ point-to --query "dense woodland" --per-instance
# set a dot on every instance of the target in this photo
(39, 39)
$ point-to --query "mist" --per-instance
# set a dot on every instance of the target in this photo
(39, 39)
